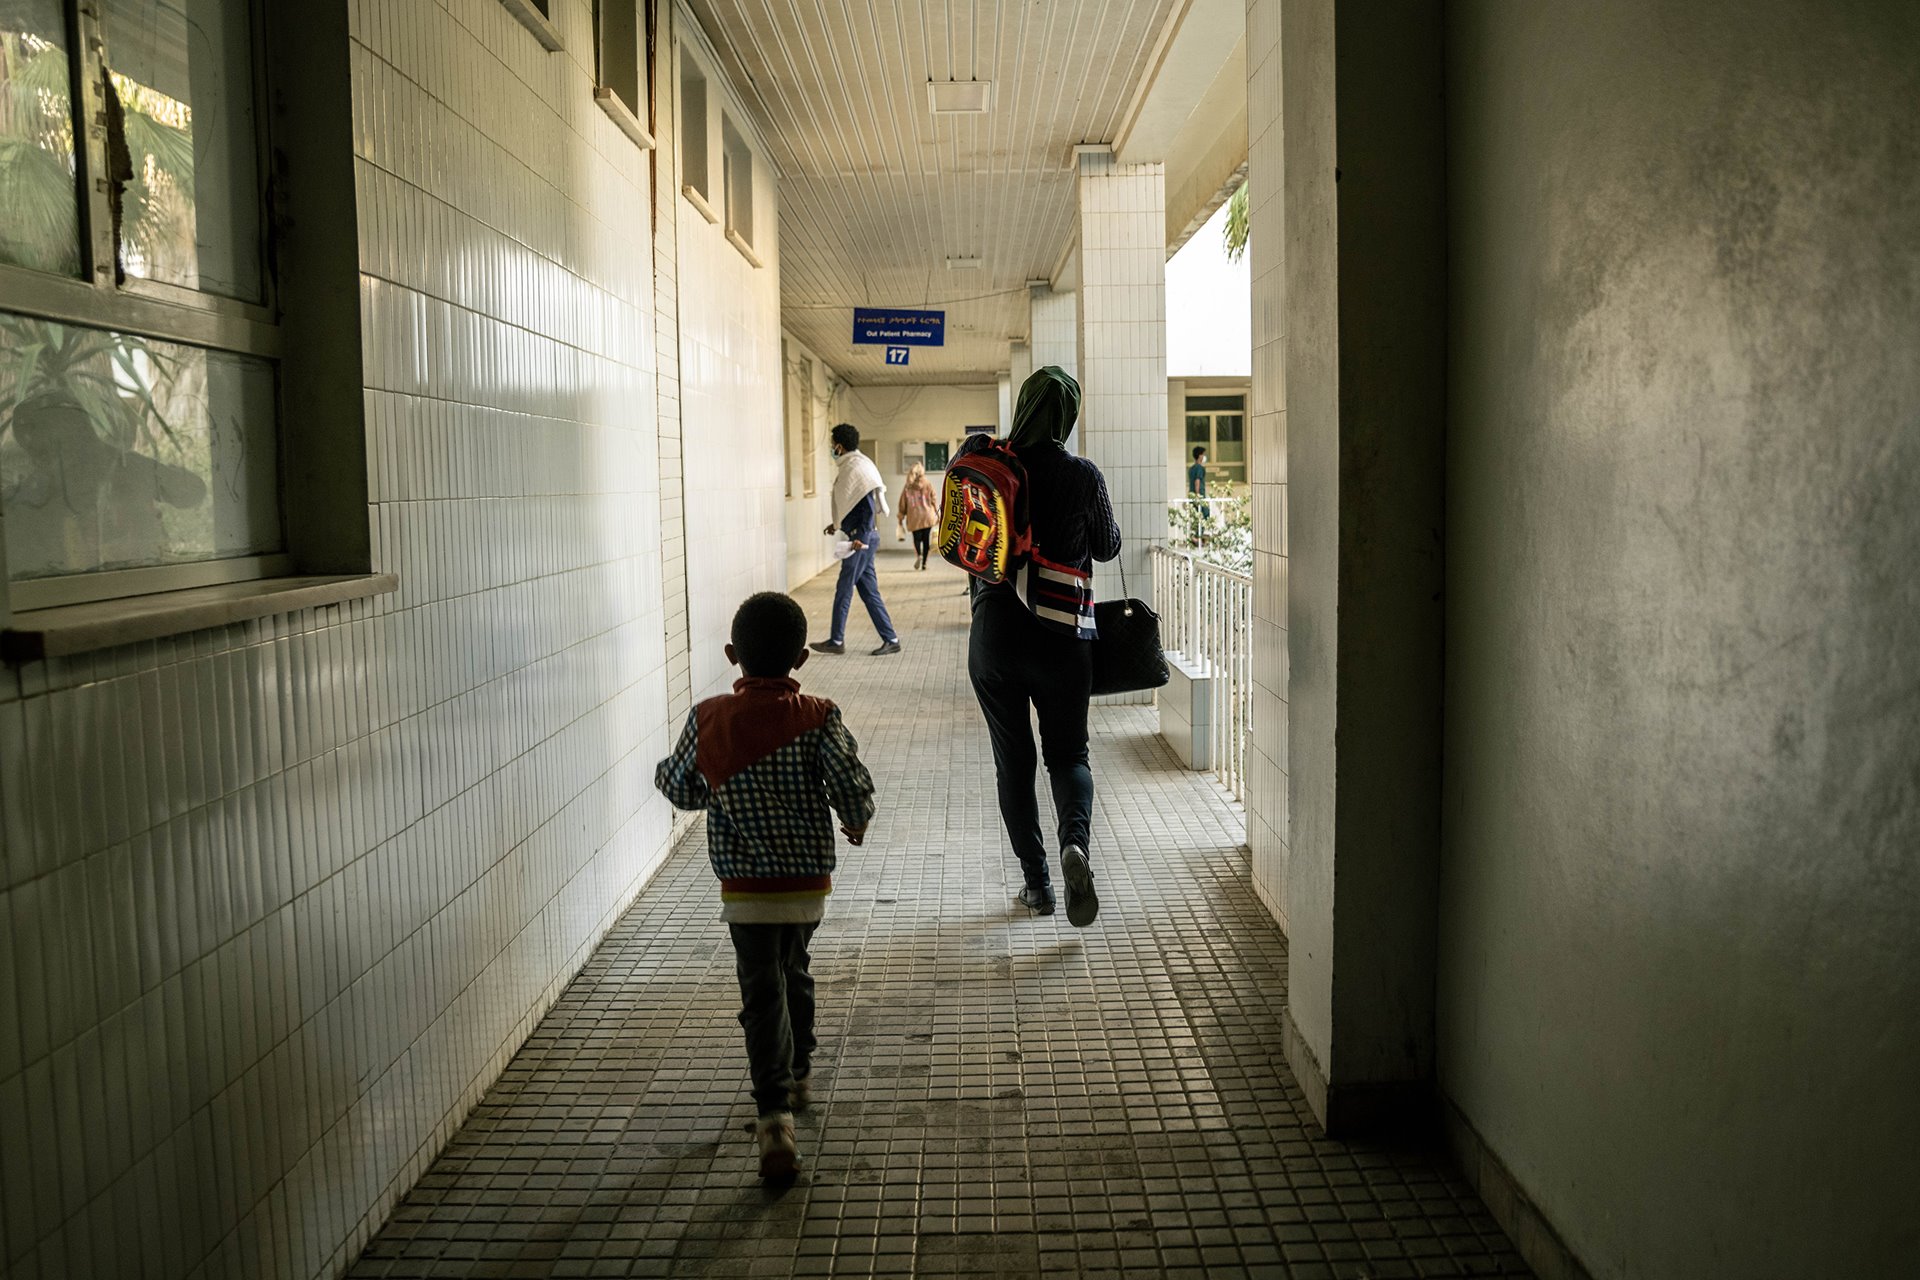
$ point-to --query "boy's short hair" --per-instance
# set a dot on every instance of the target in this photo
(769, 631)
(847, 436)
(1198, 450)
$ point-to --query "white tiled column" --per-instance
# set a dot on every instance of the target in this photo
(1019, 365)
(1054, 337)
(1123, 350)
(1267, 451)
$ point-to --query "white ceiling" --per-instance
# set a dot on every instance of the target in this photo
(876, 192)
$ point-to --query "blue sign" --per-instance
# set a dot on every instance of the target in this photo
(898, 355)
(890, 326)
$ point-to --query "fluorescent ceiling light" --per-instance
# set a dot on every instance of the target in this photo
(963, 264)
(959, 97)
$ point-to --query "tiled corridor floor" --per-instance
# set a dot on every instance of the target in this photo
(996, 1093)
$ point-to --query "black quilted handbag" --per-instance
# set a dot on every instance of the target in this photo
(1127, 656)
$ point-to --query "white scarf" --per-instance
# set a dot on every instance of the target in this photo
(857, 478)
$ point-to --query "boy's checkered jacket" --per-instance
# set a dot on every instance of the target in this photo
(766, 762)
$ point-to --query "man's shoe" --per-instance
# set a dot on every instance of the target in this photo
(1039, 898)
(1082, 903)
(779, 1153)
(891, 646)
(827, 646)
(802, 1092)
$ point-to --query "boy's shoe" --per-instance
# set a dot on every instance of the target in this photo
(891, 646)
(1038, 897)
(1083, 904)
(779, 1153)
(801, 1094)
(827, 646)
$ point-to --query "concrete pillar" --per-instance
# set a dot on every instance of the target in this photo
(1364, 424)
(1007, 389)
(1267, 459)
(1123, 350)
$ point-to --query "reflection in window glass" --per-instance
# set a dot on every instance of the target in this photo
(121, 452)
(183, 73)
(39, 209)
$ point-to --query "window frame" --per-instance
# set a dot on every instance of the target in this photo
(311, 304)
(696, 136)
(99, 299)
(537, 17)
(611, 98)
(809, 453)
(738, 167)
(1224, 472)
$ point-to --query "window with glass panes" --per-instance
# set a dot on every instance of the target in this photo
(139, 342)
(1219, 422)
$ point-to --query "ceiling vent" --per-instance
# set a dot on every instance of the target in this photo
(959, 97)
(963, 264)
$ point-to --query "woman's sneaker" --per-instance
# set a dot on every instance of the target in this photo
(779, 1153)
(1083, 904)
(802, 1092)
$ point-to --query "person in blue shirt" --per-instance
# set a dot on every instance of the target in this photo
(856, 491)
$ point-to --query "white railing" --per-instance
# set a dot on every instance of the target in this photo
(1206, 615)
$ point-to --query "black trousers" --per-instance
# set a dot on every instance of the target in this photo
(922, 542)
(776, 1007)
(1016, 663)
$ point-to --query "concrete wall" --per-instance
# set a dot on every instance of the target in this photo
(1680, 914)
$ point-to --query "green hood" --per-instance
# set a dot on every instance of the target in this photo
(1049, 406)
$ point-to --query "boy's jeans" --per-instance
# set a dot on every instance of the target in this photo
(776, 1007)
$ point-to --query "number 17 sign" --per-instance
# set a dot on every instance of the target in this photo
(898, 355)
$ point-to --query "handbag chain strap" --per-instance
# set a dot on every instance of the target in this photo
(1126, 610)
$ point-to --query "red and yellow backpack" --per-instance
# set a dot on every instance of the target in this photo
(983, 513)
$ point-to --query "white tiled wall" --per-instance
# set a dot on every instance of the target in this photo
(1267, 458)
(277, 901)
(730, 406)
(1123, 350)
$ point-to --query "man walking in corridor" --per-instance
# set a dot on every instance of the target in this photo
(857, 492)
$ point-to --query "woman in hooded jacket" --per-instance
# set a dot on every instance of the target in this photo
(1032, 641)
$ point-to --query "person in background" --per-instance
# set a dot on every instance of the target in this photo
(767, 763)
(919, 512)
(1197, 494)
(858, 495)
(1031, 646)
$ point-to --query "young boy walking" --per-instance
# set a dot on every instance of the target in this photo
(766, 762)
